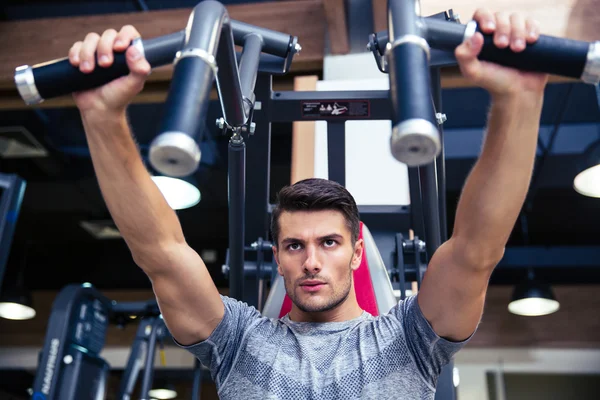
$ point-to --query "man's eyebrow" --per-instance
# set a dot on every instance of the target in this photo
(320, 238)
(330, 236)
(291, 240)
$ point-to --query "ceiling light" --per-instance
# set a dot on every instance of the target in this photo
(533, 298)
(587, 182)
(180, 193)
(163, 393)
(16, 305)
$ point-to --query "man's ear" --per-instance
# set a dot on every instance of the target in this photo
(358, 253)
(276, 257)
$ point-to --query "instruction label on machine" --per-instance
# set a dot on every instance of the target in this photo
(351, 108)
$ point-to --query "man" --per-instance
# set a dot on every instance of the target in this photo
(326, 347)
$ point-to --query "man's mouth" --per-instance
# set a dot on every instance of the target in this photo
(312, 286)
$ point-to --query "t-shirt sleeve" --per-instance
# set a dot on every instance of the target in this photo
(219, 351)
(429, 351)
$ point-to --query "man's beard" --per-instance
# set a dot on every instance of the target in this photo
(337, 298)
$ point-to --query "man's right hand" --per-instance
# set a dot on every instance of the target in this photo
(115, 96)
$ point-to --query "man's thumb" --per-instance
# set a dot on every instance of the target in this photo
(466, 55)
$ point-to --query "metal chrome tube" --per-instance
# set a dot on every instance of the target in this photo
(228, 80)
(175, 151)
(237, 210)
(415, 139)
(249, 62)
(275, 43)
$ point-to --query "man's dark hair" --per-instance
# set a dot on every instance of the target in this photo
(316, 195)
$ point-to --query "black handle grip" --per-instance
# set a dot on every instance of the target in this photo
(61, 78)
(553, 55)
(549, 54)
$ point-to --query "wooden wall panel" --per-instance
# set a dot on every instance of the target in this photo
(335, 13)
(575, 325)
(303, 137)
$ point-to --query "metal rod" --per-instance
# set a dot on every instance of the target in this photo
(228, 80)
(259, 157)
(10, 206)
(249, 67)
(416, 206)
(197, 383)
(431, 210)
(137, 355)
(175, 151)
(440, 162)
(149, 364)
(415, 139)
(237, 197)
(275, 43)
(336, 151)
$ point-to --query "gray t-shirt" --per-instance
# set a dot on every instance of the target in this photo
(391, 356)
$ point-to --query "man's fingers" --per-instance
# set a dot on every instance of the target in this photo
(136, 62)
(517, 33)
(485, 19)
(502, 33)
(105, 48)
(532, 28)
(124, 37)
(87, 54)
(74, 54)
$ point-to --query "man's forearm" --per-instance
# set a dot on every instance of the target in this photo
(496, 188)
(138, 208)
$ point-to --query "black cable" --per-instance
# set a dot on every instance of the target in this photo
(547, 150)
(142, 5)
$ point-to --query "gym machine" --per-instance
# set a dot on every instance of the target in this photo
(13, 190)
(411, 52)
(70, 364)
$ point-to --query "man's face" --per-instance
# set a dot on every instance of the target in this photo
(316, 257)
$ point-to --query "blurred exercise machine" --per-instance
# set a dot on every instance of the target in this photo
(70, 364)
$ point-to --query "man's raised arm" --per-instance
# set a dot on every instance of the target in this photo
(455, 284)
(186, 294)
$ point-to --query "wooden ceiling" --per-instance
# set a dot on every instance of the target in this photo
(314, 22)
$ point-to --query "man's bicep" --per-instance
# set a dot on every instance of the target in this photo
(187, 296)
(452, 294)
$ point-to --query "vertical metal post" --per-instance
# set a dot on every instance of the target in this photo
(137, 355)
(259, 157)
(249, 66)
(336, 151)
(416, 206)
(415, 139)
(197, 382)
(431, 211)
(10, 206)
(228, 80)
(440, 162)
(237, 202)
(149, 364)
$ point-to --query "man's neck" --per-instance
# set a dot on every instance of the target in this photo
(345, 311)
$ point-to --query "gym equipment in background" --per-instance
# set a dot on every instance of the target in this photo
(71, 367)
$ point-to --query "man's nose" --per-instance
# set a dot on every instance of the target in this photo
(312, 263)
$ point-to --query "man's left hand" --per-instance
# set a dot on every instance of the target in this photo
(512, 31)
